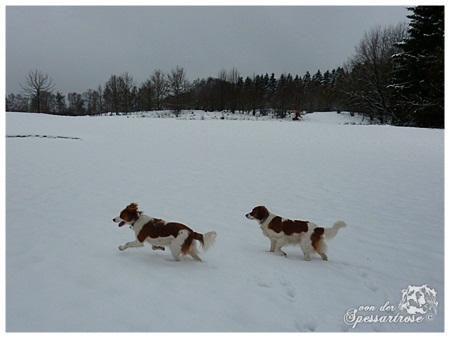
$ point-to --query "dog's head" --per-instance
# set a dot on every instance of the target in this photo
(259, 213)
(418, 300)
(128, 215)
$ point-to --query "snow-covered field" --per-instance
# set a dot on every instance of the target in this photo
(65, 273)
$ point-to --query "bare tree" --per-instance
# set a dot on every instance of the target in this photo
(159, 85)
(100, 99)
(234, 78)
(145, 95)
(222, 81)
(111, 94)
(128, 92)
(75, 104)
(92, 100)
(37, 88)
(371, 70)
(178, 86)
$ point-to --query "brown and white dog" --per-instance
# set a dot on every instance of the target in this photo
(178, 237)
(283, 231)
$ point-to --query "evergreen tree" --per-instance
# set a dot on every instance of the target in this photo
(60, 103)
(419, 76)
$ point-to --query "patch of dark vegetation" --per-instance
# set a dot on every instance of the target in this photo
(44, 136)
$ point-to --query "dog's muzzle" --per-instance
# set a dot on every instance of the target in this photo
(120, 221)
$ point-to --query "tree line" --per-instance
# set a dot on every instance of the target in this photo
(229, 91)
(396, 76)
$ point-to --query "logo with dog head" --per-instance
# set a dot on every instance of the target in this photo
(419, 300)
(417, 304)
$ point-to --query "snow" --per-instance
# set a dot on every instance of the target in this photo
(64, 271)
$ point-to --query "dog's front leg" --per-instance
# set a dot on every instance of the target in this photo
(279, 244)
(134, 244)
(272, 245)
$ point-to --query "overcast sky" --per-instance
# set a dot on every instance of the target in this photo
(81, 47)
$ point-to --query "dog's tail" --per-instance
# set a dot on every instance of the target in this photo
(206, 240)
(330, 233)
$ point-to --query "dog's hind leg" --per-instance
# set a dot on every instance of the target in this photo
(177, 243)
(307, 255)
(321, 248)
(307, 249)
(134, 244)
(194, 254)
(323, 255)
(176, 252)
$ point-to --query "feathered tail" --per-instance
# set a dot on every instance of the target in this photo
(330, 233)
(206, 240)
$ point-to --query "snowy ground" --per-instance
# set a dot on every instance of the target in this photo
(65, 273)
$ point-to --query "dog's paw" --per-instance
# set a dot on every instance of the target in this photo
(121, 247)
(157, 247)
(324, 256)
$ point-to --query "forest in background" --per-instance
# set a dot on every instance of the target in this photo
(396, 76)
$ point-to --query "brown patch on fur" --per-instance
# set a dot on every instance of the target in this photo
(288, 226)
(158, 228)
(316, 238)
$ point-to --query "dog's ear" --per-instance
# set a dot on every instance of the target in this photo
(261, 212)
(132, 207)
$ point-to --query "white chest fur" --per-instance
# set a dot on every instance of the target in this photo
(265, 226)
